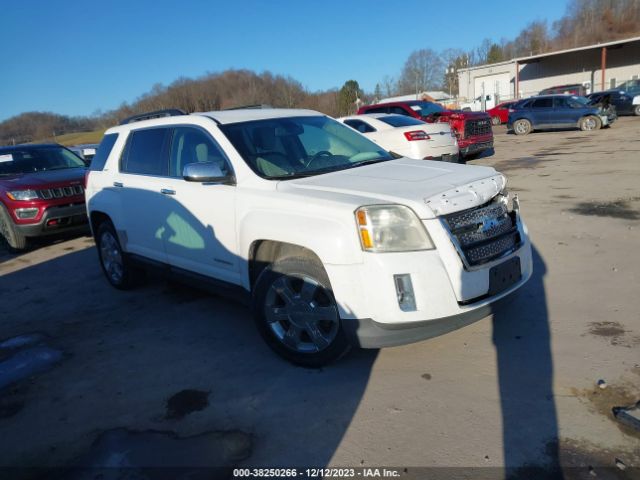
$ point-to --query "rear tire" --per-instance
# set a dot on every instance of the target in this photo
(590, 123)
(496, 120)
(115, 263)
(296, 313)
(16, 241)
(636, 110)
(522, 127)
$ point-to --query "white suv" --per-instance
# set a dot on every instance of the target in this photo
(334, 241)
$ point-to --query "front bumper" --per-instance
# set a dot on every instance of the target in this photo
(367, 333)
(68, 218)
(476, 148)
(448, 295)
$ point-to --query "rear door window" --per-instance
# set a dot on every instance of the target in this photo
(147, 152)
(542, 103)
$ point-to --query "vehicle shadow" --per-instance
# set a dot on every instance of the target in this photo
(522, 338)
(129, 355)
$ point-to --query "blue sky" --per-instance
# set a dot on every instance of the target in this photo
(75, 57)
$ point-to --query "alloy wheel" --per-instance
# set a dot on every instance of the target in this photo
(111, 257)
(301, 313)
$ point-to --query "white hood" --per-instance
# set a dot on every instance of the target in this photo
(430, 188)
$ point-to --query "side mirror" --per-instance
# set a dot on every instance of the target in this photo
(206, 173)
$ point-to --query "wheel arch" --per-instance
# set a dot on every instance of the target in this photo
(263, 253)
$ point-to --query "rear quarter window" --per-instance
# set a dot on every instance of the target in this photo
(103, 152)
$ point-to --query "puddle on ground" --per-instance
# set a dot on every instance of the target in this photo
(615, 209)
(606, 329)
(616, 332)
(603, 400)
(123, 453)
(27, 362)
(185, 402)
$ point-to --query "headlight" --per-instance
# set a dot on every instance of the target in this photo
(23, 195)
(391, 228)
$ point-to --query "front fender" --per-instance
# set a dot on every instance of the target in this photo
(333, 241)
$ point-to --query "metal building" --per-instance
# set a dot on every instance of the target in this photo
(598, 67)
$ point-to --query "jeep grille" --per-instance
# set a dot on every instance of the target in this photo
(60, 192)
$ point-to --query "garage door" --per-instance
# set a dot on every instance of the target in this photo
(498, 84)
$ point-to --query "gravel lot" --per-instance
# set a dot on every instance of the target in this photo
(185, 374)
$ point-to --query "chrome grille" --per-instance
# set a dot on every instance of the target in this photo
(60, 192)
(477, 127)
(484, 233)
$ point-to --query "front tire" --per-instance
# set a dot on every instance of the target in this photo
(16, 241)
(636, 110)
(296, 313)
(590, 123)
(522, 127)
(113, 260)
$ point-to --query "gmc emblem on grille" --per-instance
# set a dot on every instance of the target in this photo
(487, 224)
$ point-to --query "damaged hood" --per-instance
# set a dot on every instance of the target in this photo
(430, 188)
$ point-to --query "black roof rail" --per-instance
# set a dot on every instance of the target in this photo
(169, 112)
(255, 106)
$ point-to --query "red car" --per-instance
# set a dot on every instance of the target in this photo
(41, 192)
(472, 129)
(500, 113)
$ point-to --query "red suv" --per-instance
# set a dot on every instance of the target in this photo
(472, 129)
(41, 192)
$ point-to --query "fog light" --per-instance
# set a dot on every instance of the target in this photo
(25, 213)
(404, 292)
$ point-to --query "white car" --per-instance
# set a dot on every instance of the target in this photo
(407, 136)
(332, 240)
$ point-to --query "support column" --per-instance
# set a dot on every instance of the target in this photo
(603, 67)
(517, 92)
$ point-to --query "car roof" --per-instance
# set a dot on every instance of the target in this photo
(28, 146)
(249, 114)
(221, 117)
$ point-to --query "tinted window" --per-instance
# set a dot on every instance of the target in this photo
(376, 110)
(359, 125)
(542, 103)
(427, 108)
(106, 145)
(37, 159)
(146, 152)
(401, 121)
(398, 111)
(192, 145)
(560, 102)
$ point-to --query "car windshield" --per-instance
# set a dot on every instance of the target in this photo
(427, 108)
(400, 121)
(37, 159)
(293, 147)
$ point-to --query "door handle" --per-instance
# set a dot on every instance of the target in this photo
(117, 184)
(166, 191)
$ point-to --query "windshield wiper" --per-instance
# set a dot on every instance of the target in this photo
(369, 162)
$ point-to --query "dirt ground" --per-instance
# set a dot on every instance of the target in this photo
(184, 374)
